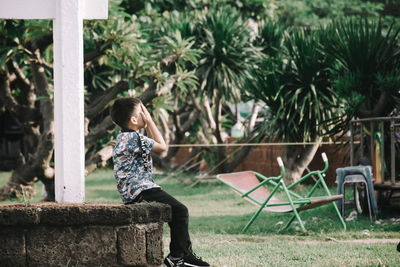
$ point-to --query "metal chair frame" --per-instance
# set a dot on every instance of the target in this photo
(294, 203)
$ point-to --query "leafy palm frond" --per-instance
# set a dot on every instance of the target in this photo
(185, 23)
(366, 52)
(297, 90)
(271, 37)
(181, 49)
(228, 54)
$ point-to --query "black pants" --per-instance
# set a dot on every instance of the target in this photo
(180, 240)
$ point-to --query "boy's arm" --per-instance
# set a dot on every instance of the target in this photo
(153, 132)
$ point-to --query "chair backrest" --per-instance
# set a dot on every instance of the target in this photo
(243, 182)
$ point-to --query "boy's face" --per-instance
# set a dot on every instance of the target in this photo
(137, 118)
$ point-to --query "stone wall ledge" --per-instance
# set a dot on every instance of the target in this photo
(89, 234)
(49, 213)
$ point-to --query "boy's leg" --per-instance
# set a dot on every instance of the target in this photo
(180, 240)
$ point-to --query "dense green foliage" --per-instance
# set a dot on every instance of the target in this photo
(228, 54)
(212, 42)
(368, 63)
(297, 89)
(313, 64)
(315, 81)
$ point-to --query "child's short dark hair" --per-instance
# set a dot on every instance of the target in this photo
(122, 109)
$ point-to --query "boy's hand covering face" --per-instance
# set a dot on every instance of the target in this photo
(144, 119)
(145, 114)
(145, 111)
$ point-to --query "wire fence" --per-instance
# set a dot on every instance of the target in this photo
(260, 144)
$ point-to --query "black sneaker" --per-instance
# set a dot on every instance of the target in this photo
(192, 260)
(169, 262)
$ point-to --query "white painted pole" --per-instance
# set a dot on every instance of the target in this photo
(69, 102)
(67, 18)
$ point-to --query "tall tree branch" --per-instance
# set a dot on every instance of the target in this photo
(102, 101)
(152, 91)
(100, 158)
(5, 93)
(23, 82)
(46, 142)
(383, 107)
(43, 42)
(101, 48)
(193, 116)
(22, 113)
(101, 130)
(34, 54)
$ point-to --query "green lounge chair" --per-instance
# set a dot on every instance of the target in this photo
(253, 187)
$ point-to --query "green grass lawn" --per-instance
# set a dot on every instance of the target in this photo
(217, 216)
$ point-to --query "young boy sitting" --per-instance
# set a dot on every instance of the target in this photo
(133, 172)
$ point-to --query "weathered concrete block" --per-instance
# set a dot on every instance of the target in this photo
(87, 214)
(83, 246)
(132, 245)
(48, 245)
(154, 243)
(12, 247)
(148, 212)
(18, 214)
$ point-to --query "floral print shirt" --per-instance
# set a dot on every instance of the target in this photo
(133, 164)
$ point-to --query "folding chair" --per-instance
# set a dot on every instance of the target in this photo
(253, 187)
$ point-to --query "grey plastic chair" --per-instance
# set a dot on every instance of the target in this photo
(354, 175)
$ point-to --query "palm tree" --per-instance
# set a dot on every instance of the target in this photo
(368, 66)
(367, 72)
(297, 89)
(224, 67)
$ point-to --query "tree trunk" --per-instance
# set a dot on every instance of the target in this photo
(297, 158)
(99, 159)
(244, 151)
(221, 151)
(382, 107)
(38, 165)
